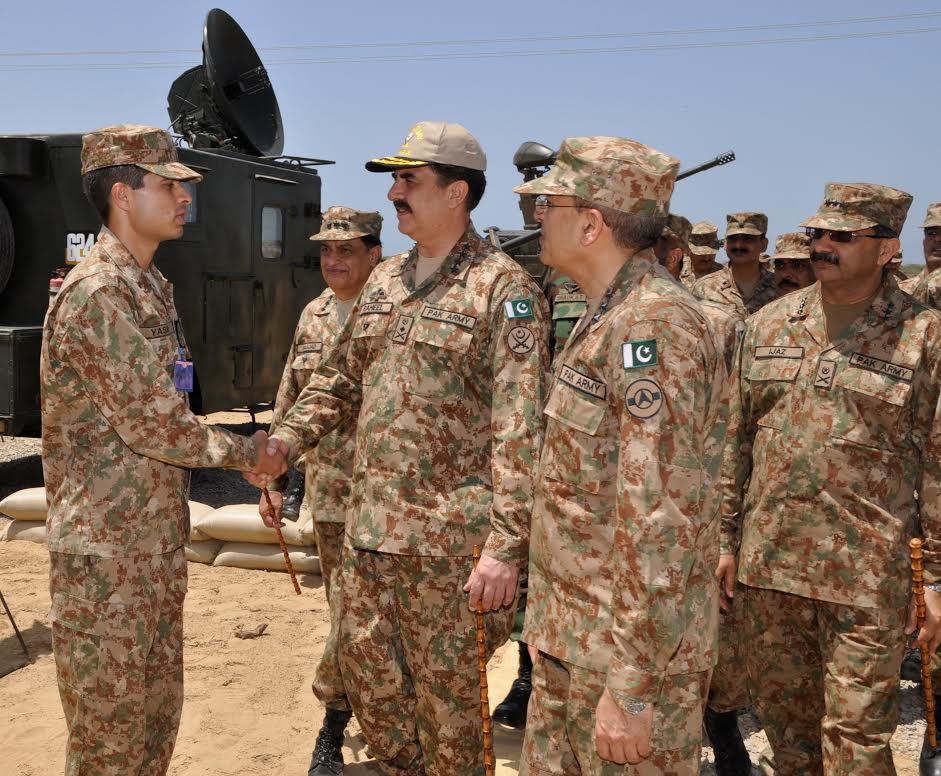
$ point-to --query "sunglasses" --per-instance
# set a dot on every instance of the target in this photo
(815, 233)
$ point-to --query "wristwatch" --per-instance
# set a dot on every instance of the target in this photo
(636, 707)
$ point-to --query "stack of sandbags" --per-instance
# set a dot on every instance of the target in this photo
(250, 544)
(26, 510)
(200, 548)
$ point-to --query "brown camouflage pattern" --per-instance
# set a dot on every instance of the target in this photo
(704, 238)
(827, 445)
(908, 285)
(149, 148)
(448, 391)
(678, 227)
(408, 651)
(728, 689)
(624, 538)
(688, 276)
(117, 435)
(926, 288)
(746, 223)
(328, 684)
(852, 206)
(824, 678)
(345, 223)
(329, 466)
(117, 639)
(932, 216)
(791, 245)
(611, 171)
(727, 326)
(560, 727)
(720, 287)
(567, 303)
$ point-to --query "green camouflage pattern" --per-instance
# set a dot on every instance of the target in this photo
(908, 285)
(567, 303)
(625, 525)
(747, 222)
(852, 206)
(825, 680)
(926, 288)
(117, 640)
(611, 171)
(827, 445)
(704, 238)
(932, 216)
(149, 148)
(328, 684)
(117, 437)
(328, 467)
(791, 245)
(688, 276)
(448, 391)
(720, 287)
(345, 223)
(678, 227)
(728, 689)
(560, 726)
(408, 652)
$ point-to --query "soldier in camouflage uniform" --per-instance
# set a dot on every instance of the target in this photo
(926, 286)
(704, 245)
(567, 304)
(118, 437)
(623, 605)
(791, 263)
(350, 249)
(444, 363)
(672, 247)
(746, 283)
(834, 425)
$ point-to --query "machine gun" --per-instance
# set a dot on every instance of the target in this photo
(533, 160)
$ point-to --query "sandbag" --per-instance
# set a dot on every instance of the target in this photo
(23, 530)
(203, 551)
(198, 511)
(306, 530)
(246, 555)
(242, 523)
(27, 504)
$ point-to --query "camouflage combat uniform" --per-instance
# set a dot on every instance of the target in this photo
(625, 525)
(117, 440)
(447, 381)
(720, 287)
(927, 288)
(703, 240)
(908, 285)
(827, 445)
(567, 304)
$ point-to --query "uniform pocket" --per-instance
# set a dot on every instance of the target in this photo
(436, 361)
(581, 461)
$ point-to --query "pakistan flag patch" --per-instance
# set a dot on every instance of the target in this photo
(639, 353)
(519, 308)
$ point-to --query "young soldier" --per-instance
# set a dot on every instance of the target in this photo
(704, 245)
(118, 436)
(791, 262)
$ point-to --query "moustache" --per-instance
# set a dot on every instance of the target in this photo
(401, 206)
(830, 258)
(787, 283)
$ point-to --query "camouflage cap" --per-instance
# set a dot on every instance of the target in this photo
(933, 216)
(704, 239)
(149, 148)
(345, 223)
(678, 227)
(792, 245)
(848, 207)
(437, 142)
(746, 223)
(611, 171)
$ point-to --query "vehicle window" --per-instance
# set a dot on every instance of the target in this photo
(191, 209)
(272, 232)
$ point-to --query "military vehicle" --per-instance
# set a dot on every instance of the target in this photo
(244, 267)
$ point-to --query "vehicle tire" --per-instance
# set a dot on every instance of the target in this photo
(7, 246)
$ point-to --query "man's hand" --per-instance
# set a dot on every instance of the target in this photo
(272, 460)
(930, 632)
(267, 517)
(725, 575)
(621, 737)
(493, 583)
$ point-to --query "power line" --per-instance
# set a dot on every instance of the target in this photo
(103, 66)
(496, 41)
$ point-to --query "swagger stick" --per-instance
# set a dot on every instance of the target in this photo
(284, 549)
(918, 588)
(482, 668)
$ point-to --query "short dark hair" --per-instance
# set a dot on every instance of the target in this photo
(97, 185)
(475, 179)
(629, 230)
(371, 241)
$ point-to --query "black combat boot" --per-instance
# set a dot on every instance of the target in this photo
(929, 764)
(731, 756)
(511, 713)
(293, 495)
(327, 759)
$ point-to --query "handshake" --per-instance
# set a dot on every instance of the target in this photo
(271, 460)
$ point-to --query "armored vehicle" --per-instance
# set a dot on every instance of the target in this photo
(244, 267)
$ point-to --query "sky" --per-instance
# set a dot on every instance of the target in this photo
(692, 79)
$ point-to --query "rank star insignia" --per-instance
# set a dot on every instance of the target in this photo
(520, 340)
(379, 293)
(639, 353)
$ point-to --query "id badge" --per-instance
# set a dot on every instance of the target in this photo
(183, 372)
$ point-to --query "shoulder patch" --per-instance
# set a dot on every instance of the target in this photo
(520, 340)
(519, 308)
(643, 398)
(638, 353)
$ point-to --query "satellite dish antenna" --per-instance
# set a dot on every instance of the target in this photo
(228, 101)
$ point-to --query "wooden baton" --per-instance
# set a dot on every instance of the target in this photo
(918, 589)
(284, 547)
(482, 669)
